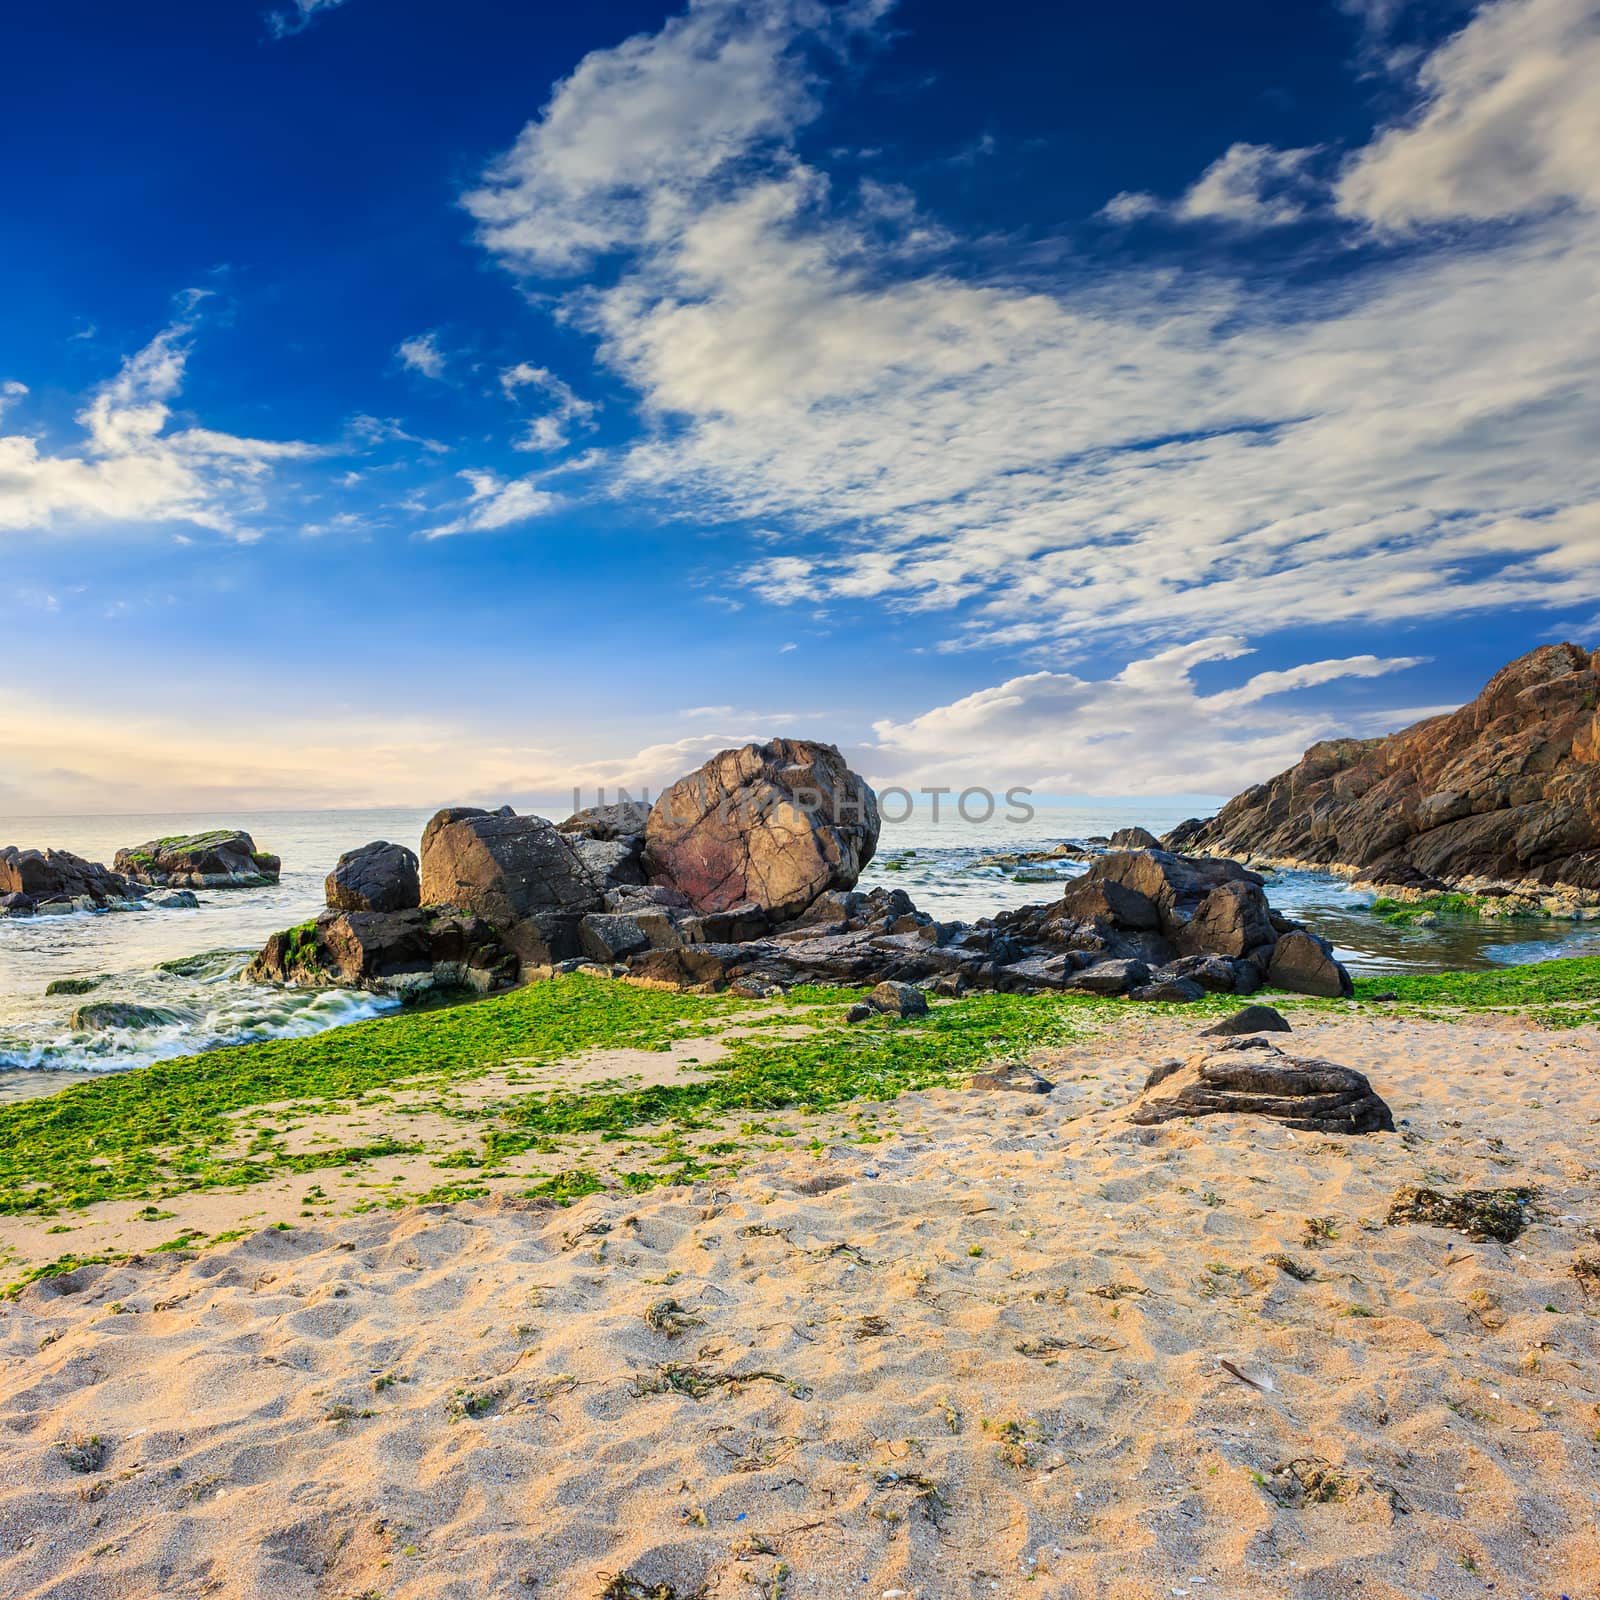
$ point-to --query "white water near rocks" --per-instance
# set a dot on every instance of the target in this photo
(131, 954)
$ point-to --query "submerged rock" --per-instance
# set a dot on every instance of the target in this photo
(223, 858)
(72, 985)
(107, 1014)
(173, 900)
(1250, 1077)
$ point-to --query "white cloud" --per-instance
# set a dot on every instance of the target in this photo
(1249, 186)
(423, 354)
(496, 502)
(1132, 205)
(1252, 185)
(1509, 124)
(1148, 452)
(551, 429)
(284, 24)
(622, 143)
(132, 466)
(1148, 730)
(11, 391)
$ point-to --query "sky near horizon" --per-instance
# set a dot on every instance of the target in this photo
(405, 404)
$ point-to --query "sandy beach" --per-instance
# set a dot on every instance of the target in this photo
(1014, 1346)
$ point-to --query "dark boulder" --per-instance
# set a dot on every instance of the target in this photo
(704, 968)
(612, 863)
(1134, 839)
(1176, 990)
(1176, 885)
(1219, 974)
(898, 1000)
(775, 825)
(40, 876)
(1232, 919)
(1251, 1077)
(1035, 972)
(1304, 964)
(1249, 1019)
(1093, 899)
(520, 874)
(610, 937)
(378, 877)
(392, 952)
(223, 858)
(1110, 977)
(172, 899)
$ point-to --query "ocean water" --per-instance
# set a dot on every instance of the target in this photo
(145, 956)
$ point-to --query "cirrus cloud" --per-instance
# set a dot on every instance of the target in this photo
(1150, 453)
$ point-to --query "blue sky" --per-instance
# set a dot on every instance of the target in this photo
(405, 403)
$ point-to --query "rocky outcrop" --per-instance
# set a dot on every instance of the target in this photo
(391, 952)
(378, 877)
(1160, 926)
(224, 858)
(41, 882)
(1252, 1077)
(1151, 925)
(771, 826)
(521, 875)
(1503, 793)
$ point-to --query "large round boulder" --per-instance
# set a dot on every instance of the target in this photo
(520, 874)
(772, 825)
(378, 877)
